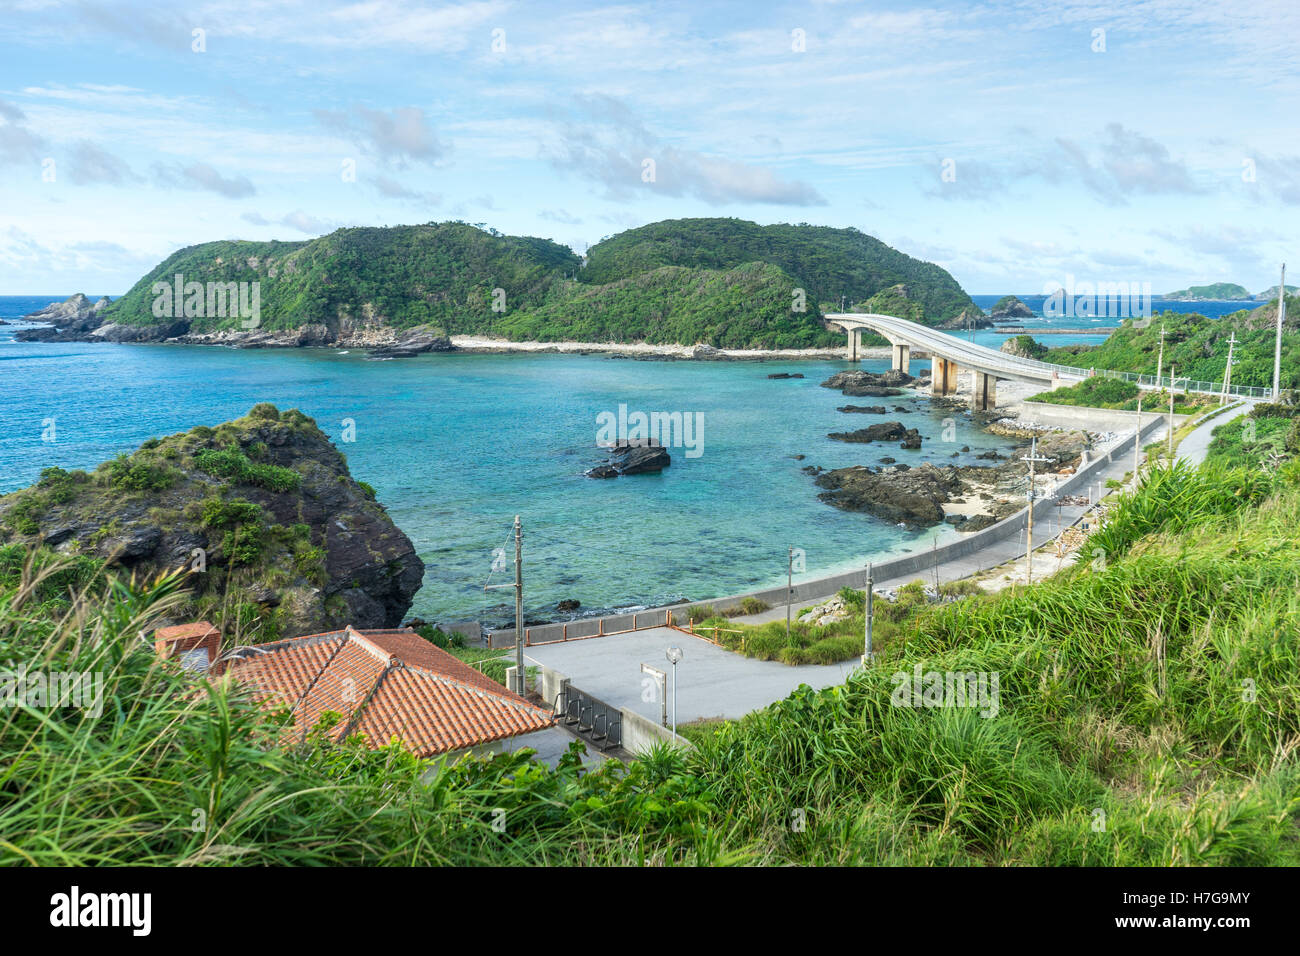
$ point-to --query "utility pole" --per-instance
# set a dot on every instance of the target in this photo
(1160, 364)
(1227, 372)
(1029, 537)
(1172, 379)
(866, 654)
(1137, 445)
(789, 591)
(519, 605)
(1277, 349)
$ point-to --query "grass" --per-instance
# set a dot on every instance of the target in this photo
(1149, 715)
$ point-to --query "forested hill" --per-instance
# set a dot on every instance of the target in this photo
(829, 263)
(727, 282)
(1197, 346)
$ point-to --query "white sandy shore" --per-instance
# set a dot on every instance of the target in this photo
(474, 343)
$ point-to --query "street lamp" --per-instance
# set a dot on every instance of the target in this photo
(674, 654)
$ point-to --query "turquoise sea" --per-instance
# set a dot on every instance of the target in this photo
(456, 445)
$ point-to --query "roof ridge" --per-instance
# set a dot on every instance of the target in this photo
(354, 719)
(505, 695)
(386, 656)
(312, 683)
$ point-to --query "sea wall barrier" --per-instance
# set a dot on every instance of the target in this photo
(882, 571)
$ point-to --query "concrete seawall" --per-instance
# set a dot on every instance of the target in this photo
(822, 587)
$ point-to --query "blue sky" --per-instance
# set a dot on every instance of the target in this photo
(1016, 144)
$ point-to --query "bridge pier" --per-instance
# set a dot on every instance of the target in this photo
(853, 345)
(902, 358)
(943, 376)
(984, 395)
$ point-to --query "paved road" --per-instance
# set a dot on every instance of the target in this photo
(712, 682)
(1196, 445)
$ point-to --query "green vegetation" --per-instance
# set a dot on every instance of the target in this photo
(727, 282)
(1147, 711)
(1262, 438)
(1196, 347)
(235, 465)
(1215, 291)
(1027, 346)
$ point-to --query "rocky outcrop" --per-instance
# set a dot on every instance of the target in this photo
(857, 384)
(632, 458)
(1024, 346)
(863, 409)
(966, 319)
(786, 375)
(913, 497)
(1009, 307)
(77, 320)
(260, 515)
(882, 431)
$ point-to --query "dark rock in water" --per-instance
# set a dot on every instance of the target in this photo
(568, 604)
(798, 457)
(856, 383)
(902, 468)
(914, 498)
(786, 375)
(632, 458)
(965, 447)
(954, 520)
(1010, 307)
(977, 523)
(863, 409)
(882, 431)
(412, 343)
(991, 455)
(954, 454)
(901, 410)
(888, 461)
(811, 469)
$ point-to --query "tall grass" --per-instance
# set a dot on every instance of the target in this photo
(1149, 714)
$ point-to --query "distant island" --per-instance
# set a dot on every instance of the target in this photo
(1218, 291)
(725, 283)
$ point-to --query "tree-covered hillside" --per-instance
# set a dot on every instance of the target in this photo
(828, 263)
(727, 282)
(440, 273)
(1197, 347)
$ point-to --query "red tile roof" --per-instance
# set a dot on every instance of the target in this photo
(386, 684)
(176, 631)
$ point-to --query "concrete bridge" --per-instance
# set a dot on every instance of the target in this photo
(950, 355)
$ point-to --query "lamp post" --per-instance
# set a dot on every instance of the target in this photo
(866, 654)
(674, 654)
(1277, 349)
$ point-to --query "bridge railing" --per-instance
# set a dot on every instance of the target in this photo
(1070, 371)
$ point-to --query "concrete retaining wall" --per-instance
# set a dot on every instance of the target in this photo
(1096, 419)
(641, 733)
(882, 571)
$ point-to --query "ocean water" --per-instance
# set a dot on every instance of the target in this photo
(456, 445)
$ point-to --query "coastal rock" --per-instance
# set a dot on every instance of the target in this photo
(568, 604)
(856, 383)
(632, 458)
(914, 497)
(261, 510)
(706, 351)
(1010, 307)
(786, 375)
(863, 409)
(881, 431)
(968, 318)
(977, 523)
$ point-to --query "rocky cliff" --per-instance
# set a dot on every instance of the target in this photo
(274, 536)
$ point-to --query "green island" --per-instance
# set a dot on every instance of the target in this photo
(729, 283)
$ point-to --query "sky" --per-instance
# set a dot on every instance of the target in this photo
(1020, 145)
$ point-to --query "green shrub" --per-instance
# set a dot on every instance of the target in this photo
(131, 473)
(235, 466)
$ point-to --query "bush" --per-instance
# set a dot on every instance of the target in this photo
(130, 473)
(235, 466)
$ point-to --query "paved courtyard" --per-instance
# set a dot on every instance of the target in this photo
(712, 682)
